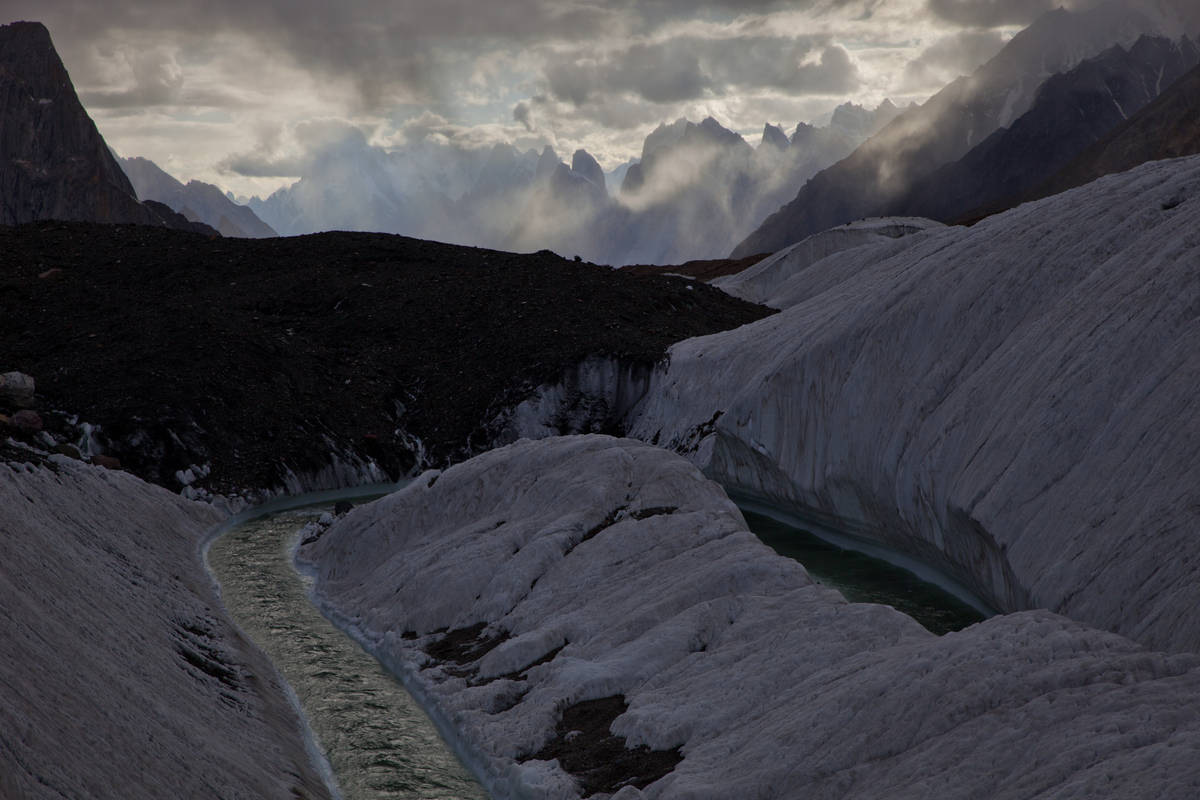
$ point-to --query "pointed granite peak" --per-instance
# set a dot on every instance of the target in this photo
(583, 164)
(773, 135)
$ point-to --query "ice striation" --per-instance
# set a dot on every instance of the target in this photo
(1014, 402)
(594, 567)
(122, 676)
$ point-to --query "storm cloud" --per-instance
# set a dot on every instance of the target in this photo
(686, 68)
(192, 85)
(991, 13)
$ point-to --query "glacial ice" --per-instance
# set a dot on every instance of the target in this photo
(644, 574)
(122, 676)
(762, 283)
(1014, 402)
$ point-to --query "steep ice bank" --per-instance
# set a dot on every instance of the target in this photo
(580, 568)
(1015, 401)
(122, 677)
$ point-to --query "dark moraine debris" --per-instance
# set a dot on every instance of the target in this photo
(705, 270)
(18, 455)
(250, 358)
(465, 645)
(598, 759)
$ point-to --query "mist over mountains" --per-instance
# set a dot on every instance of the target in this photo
(876, 178)
(695, 188)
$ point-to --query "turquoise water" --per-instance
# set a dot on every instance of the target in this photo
(864, 579)
(378, 741)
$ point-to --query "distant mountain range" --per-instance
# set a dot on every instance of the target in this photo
(54, 164)
(878, 177)
(196, 201)
(1076, 95)
(695, 188)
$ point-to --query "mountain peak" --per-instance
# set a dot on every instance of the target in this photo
(547, 162)
(583, 164)
(54, 164)
(774, 135)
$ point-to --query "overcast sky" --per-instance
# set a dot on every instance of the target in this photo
(233, 91)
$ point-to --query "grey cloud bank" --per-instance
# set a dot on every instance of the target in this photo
(192, 87)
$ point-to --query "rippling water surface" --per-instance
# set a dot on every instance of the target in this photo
(377, 739)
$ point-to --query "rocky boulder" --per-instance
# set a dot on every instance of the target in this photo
(16, 390)
(26, 421)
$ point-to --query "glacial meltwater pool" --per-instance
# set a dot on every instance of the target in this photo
(376, 738)
(864, 579)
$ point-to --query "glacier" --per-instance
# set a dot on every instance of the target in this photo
(589, 567)
(123, 675)
(763, 282)
(1012, 402)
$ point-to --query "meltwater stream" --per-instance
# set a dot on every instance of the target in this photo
(862, 578)
(378, 741)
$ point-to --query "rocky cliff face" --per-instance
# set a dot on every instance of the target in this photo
(53, 162)
(1072, 111)
(1167, 128)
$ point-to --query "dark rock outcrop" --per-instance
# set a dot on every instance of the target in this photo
(246, 362)
(54, 164)
(178, 221)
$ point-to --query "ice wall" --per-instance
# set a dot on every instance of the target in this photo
(1014, 401)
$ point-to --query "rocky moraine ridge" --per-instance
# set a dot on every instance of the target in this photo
(316, 361)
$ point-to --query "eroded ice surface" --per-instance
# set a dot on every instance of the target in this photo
(120, 674)
(1016, 400)
(644, 574)
(764, 282)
